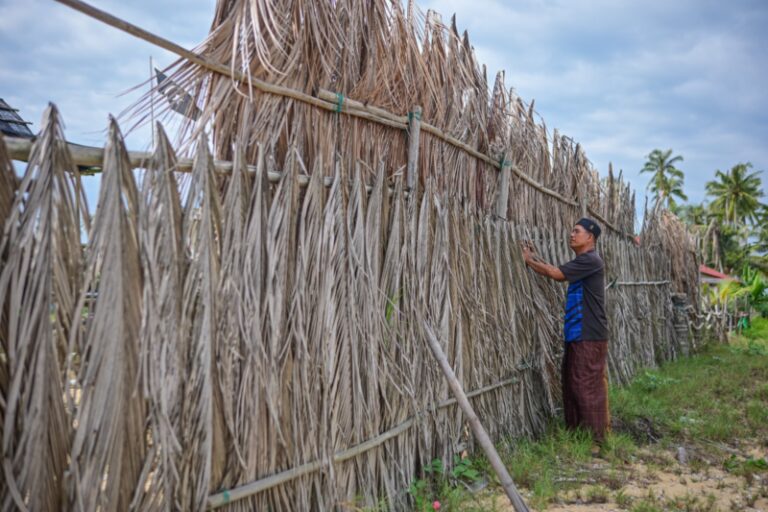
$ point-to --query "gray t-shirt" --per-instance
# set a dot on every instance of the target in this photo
(585, 302)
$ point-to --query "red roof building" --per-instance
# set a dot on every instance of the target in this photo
(710, 275)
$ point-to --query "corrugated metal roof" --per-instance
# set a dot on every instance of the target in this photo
(11, 122)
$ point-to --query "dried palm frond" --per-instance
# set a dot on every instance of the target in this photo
(7, 194)
(202, 236)
(109, 442)
(38, 284)
(162, 358)
(230, 352)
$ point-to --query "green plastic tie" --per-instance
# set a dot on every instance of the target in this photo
(414, 115)
(503, 162)
(339, 102)
(226, 496)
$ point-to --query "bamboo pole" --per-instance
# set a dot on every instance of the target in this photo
(87, 156)
(351, 104)
(228, 496)
(326, 99)
(482, 436)
(641, 283)
(414, 133)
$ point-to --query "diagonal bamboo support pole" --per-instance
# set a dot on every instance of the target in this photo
(482, 436)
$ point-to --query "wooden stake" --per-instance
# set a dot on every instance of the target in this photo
(414, 132)
(502, 197)
(482, 436)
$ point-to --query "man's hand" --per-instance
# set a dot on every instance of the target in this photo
(532, 260)
(529, 252)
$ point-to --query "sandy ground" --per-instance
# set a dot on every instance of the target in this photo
(658, 477)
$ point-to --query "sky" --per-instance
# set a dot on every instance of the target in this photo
(620, 77)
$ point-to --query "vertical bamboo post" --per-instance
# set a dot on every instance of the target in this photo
(502, 196)
(414, 133)
(482, 436)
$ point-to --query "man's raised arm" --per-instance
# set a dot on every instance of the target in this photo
(538, 266)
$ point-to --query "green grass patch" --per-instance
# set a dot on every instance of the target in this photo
(758, 330)
(717, 395)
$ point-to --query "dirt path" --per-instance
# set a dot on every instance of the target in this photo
(655, 480)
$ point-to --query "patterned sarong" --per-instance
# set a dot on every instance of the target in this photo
(585, 387)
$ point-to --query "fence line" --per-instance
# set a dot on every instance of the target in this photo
(280, 289)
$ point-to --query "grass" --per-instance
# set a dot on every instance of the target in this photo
(688, 503)
(717, 395)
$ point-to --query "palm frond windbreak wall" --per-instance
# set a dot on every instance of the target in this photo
(255, 339)
(269, 330)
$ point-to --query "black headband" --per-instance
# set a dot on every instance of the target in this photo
(590, 226)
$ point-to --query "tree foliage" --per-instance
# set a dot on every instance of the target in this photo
(736, 195)
(666, 179)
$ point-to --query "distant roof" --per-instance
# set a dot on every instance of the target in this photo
(710, 272)
(11, 123)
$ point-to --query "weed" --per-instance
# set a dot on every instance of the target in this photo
(596, 494)
(543, 491)
(647, 504)
(690, 503)
(614, 480)
(618, 448)
(745, 467)
(622, 500)
(464, 469)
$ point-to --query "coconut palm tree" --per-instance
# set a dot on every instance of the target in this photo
(695, 215)
(736, 194)
(666, 180)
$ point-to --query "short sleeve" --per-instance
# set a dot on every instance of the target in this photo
(580, 267)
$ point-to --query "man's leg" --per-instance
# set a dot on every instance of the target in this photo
(590, 385)
(570, 407)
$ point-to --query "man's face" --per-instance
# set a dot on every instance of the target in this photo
(580, 237)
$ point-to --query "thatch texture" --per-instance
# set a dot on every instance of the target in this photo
(39, 284)
(263, 346)
(268, 330)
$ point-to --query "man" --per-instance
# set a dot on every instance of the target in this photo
(585, 382)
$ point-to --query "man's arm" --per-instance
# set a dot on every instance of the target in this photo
(539, 266)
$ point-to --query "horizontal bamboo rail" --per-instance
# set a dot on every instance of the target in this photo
(641, 283)
(19, 148)
(238, 493)
(88, 156)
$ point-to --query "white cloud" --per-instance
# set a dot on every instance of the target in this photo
(623, 78)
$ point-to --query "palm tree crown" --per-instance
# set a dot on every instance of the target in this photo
(666, 180)
(736, 194)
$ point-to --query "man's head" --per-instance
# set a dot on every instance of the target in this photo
(584, 235)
